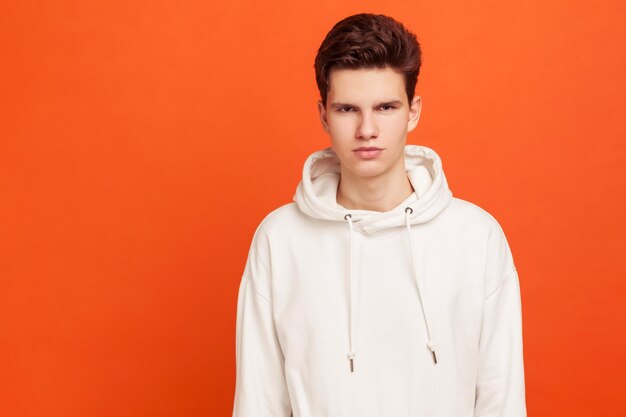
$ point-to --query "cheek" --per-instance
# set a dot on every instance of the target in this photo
(342, 129)
(394, 127)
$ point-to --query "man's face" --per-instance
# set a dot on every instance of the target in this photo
(368, 108)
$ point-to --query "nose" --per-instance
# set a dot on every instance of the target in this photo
(367, 128)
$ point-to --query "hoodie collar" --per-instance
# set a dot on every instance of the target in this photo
(316, 194)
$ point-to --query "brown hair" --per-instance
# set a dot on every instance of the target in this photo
(368, 41)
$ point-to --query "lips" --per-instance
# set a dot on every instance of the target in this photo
(369, 152)
(370, 148)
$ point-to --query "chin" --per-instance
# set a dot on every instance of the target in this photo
(366, 169)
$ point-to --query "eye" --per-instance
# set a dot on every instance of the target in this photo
(344, 109)
(387, 107)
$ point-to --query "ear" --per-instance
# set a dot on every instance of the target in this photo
(323, 119)
(414, 113)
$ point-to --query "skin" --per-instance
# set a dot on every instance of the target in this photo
(369, 107)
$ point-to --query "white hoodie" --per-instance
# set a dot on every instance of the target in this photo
(356, 313)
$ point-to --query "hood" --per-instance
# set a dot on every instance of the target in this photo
(316, 194)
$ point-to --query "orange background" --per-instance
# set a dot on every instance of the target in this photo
(141, 143)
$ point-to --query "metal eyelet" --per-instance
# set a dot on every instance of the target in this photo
(407, 209)
(347, 215)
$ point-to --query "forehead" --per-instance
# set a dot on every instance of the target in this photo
(366, 85)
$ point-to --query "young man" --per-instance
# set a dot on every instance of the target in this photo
(376, 293)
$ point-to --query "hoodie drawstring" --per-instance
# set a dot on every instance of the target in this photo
(430, 344)
(352, 353)
(353, 307)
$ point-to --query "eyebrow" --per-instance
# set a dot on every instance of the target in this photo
(335, 106)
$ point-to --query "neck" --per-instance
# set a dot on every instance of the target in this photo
(380, 193)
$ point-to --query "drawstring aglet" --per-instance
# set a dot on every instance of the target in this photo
(351, 359)
(431, 347)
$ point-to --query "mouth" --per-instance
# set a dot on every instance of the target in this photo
(368, 152)
(368, 148)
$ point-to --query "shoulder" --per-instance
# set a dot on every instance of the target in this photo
(468, 216)
(279, 221)
(467, 210)
(273, 224)
(480, 224)
(281, 217)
